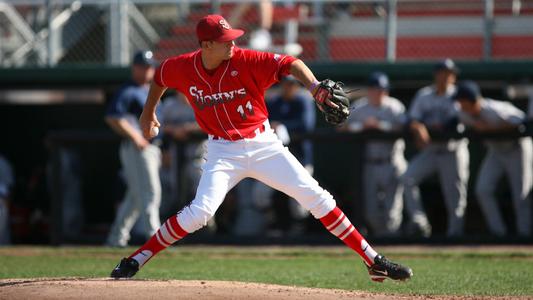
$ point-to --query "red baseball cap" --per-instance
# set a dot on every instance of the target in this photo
(216, 28)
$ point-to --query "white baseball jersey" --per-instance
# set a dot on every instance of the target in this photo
(496, 113)
(384, 164)
(435, 111)
(510, 157)
(448, 159)
(391, 115)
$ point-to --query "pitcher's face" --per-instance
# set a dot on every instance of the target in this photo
(222, 50)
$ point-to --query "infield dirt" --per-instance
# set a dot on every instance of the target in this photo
(103, 289)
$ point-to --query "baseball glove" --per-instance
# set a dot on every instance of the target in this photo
(329, 89)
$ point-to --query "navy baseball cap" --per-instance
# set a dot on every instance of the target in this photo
(145, 58)
(446, 64)
(467, 90)
(379, 80)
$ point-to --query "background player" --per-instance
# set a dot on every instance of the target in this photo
(384, 160)
(140, 159)
(226, 86)
(511, 157)
(433, 110)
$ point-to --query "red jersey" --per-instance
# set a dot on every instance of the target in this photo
(229, 102)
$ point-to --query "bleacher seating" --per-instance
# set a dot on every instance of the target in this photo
(508, 43)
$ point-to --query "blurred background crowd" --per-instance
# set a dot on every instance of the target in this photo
(427, 154)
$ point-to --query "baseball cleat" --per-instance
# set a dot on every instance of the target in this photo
(127, 268)
(384, 268)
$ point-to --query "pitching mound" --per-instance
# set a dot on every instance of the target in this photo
(103, 289)
(73, 288)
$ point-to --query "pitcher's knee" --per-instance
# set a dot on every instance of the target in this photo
(193, 217)
(318, 204)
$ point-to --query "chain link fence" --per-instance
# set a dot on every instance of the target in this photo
(54, 32)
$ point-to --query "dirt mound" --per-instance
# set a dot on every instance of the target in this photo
(76, 288)
(103, 289)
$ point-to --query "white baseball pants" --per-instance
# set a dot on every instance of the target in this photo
(263, 158)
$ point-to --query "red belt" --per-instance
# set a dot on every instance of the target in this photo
(251, 135)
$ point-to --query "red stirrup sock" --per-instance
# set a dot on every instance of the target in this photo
(338, 224)
(168, 234)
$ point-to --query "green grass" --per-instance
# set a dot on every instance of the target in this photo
(436, 271)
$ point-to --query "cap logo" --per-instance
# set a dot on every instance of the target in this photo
(449, 63)
(234, 73)
(224, 24)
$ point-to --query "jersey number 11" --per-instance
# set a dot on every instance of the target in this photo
(243, 112)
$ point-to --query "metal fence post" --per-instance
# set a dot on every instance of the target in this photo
(118, 33)
(322, 43)
(488, 26)
(391, 27)
(50, 40)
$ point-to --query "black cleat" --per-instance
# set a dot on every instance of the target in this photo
(384, 268)
(127, 268)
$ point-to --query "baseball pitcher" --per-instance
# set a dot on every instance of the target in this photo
(226, 86)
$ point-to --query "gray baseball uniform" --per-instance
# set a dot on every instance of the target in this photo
(510, 157)
(448, 159)
(141, 169)
(384, 164)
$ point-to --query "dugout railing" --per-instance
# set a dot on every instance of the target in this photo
(325, 139)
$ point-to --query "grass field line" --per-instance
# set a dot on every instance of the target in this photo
(458, 271)
(282, 252)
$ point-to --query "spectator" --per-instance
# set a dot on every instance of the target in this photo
(7, 179)
(512, 157)
(140, 159)
(179, 156)
(292, 111)
(384, 160)
(260, 38)
(433, 110)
